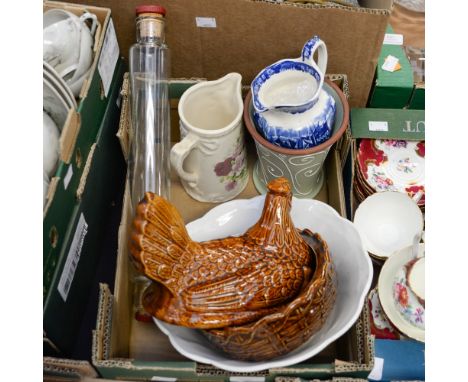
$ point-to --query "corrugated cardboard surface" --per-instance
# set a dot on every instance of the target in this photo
(250, 35)
(67, 369)
(410, 24)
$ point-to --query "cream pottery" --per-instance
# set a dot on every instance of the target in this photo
(211, 159)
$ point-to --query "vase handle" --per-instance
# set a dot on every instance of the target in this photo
(308, 53)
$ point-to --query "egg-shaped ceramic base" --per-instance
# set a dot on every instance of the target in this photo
(309, 189)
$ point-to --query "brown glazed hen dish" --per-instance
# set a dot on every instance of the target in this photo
(293, 323)
(256, 296)
(222, 282)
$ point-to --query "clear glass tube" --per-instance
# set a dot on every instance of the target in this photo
(148, 164)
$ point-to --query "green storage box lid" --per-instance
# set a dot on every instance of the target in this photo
(388, 124)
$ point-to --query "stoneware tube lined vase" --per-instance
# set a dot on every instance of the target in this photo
(211, 158)
(302, 167)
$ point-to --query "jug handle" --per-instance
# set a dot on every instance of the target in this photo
(93, 18)
(179, 152)
(308, 53)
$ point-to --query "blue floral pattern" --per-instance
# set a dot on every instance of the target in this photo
(307, 49)
(274, 69)
(308, 136)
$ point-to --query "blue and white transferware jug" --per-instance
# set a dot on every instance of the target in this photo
(291, 108)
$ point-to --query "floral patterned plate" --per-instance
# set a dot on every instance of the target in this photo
(380, 325)
(398, 301)
(393, 165)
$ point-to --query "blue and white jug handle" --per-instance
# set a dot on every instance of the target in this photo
(308, 54)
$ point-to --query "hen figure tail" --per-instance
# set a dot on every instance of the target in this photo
(159, 243)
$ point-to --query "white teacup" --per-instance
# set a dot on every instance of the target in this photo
(61, 38)
(68, 43)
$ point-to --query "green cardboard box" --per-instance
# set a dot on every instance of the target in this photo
(418, 98)
(371, 123)
(78, 135)
(68, 290)
(392, 90)
(387, 124)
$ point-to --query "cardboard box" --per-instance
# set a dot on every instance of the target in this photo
(69, 286)
(392, 90)
(251, 34)
(67, 369)
(402, 124)
(124, 348)
(78, 135)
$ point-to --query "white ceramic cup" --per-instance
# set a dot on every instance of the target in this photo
(211, 158)
(387, 222)
(68, 43)
(86, 47)
(61, 38)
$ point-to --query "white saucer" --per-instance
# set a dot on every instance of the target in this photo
(54, 104)
(386, 287)
(58, 82)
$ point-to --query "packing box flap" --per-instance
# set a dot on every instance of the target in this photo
(245, 36)
(388, 124)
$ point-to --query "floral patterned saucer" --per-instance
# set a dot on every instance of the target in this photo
(401, 305)
(392, 165)
(380, 325)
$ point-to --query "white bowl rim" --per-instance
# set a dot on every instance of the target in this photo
(259, 366)
(368, 245)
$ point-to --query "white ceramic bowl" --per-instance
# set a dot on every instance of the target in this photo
(352, 264)
(388, 221)
(50, 144)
